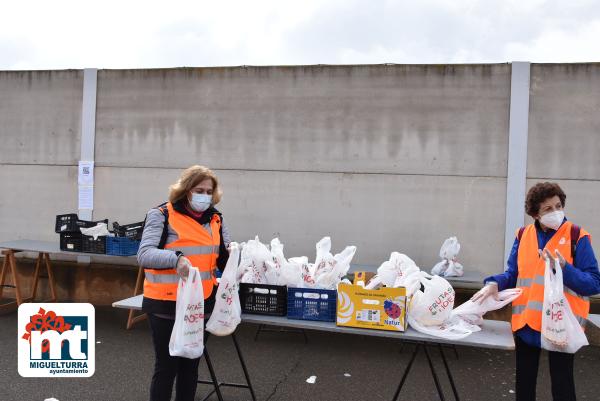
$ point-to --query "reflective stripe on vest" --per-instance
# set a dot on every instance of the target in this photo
(171, 278)
(196, 250)
(526, 282)
(527, 309)
(198, 243)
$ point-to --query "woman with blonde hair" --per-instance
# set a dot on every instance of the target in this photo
(185, 232)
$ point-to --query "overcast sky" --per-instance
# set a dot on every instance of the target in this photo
(172, 33)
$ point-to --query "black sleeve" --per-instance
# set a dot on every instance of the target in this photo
(223, 253)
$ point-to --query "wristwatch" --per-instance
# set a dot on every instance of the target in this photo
(178, 254)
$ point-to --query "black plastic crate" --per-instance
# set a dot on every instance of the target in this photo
(263, 299)
(71, 242)
(77, 242)
(132, 231)
(71, 223)
(91, 245)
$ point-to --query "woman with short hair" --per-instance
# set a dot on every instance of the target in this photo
(185, 232)
(551, 235)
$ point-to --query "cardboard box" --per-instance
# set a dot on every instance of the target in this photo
(383, 309)
(363, 276)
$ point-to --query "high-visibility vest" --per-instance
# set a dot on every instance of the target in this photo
(527, 309)
(199, 243)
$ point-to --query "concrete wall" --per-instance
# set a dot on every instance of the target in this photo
(40, 130)
(564, 136)
(387, 157)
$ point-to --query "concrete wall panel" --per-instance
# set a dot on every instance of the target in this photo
(31, 197)
(378, 213)
(564, 121)
(449, 120)
(40, 113)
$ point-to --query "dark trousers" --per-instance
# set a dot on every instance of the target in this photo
(167, 367)
(561, 373)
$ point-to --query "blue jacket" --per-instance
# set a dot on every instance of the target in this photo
(582, 276)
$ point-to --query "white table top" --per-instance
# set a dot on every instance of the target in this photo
(54, 248)
(494, 334)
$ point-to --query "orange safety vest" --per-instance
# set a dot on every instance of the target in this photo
(200, 244)
(527, 309)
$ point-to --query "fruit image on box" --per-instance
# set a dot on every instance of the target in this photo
(383, 309)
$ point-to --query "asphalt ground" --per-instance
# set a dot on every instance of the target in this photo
(347, 367)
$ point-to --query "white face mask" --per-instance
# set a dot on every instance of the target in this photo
(200, 202)
(553, 219)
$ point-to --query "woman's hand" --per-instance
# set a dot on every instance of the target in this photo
(547, 255)
(183, 267)
(487, 291)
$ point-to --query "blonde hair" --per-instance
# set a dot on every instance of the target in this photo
(191, 177)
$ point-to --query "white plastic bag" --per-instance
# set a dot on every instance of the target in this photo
(188, 331)
(398, 271)
(98, 230)
(433, 305)
(292, 272)
(279, 262)
(329, 278)
(453, 329)
(449, 267)
(256, 261)
(472, 312)
(227, 313)
(560, 330)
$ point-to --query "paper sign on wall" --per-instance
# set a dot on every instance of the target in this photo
(86, 197)
(86, 173)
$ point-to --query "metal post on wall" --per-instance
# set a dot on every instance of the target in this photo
(516, 180)
(88, 138)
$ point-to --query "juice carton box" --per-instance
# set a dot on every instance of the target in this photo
(383, 309)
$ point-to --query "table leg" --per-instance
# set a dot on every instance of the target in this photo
(213, 376)
(12, 260)
(215, 381)
(3, 276)
(51, 282)
(239, 352)
(434, 374)
(139, 285)
(10, 264)
(260, 326)
(449, 373)
(406, 371)
(36, 276)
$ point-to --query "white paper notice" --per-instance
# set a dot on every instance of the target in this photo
(86, 197)
(86, 173)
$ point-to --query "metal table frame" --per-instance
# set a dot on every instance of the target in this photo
(135, 303)
(213, 376)
(494, 334)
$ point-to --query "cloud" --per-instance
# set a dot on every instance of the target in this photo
(144, 34)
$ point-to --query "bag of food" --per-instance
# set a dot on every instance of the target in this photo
(472, 312)
(560, 329)
(227, 313)
(449, 267)
(187, 337)
(432, 303)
